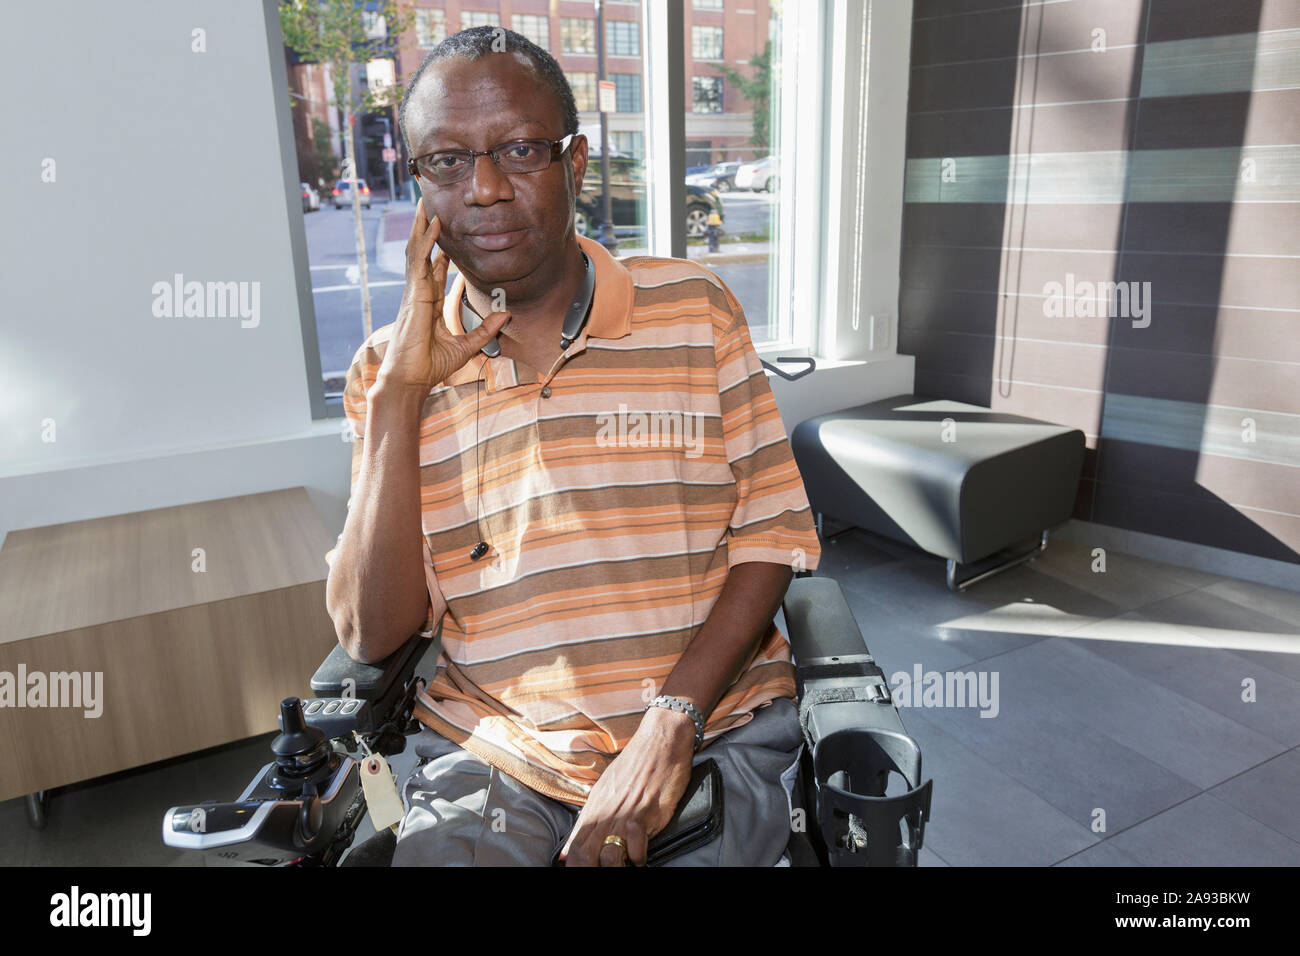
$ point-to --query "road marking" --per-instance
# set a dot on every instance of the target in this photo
(348, 288)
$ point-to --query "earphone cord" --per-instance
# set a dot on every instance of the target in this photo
(478, 492)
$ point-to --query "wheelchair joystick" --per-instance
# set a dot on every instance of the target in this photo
(300, 751)
(303, 807)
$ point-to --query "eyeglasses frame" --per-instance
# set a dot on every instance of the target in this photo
(412, 164)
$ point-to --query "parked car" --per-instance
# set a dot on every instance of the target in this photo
(628, 199)
(720, 177)
(759, 175)
(343, 193)
(310, 198)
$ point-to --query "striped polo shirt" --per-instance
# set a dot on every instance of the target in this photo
(615, 490)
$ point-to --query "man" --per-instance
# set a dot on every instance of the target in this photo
(602, 512)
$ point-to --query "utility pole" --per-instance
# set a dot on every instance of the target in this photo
(607, 238)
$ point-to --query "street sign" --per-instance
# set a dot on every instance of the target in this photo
(608, 100)
(390, 155)
(388, 140)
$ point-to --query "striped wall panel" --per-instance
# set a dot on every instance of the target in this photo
(1102, 228)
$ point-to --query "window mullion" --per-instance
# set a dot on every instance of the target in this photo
(665, 97)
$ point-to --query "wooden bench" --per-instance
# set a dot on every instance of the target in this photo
(189, 658)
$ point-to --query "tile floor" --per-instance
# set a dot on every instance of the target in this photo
(1119, 699)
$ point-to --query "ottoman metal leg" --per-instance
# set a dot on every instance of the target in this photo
(961, 585)
(36, 806)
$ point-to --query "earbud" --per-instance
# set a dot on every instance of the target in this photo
(480, 549)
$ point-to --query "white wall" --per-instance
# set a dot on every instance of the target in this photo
(165, 160)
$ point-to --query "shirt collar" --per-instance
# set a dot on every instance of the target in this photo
(611, 318)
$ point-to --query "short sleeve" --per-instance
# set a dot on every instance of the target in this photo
(772, 520)
(360, 377)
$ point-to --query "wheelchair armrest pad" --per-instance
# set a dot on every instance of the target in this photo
(840, 685)
(819, 621)
(340, 676)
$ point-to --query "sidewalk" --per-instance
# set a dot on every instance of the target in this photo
(396, 226)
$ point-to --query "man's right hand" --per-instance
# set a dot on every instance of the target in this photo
(423, 351)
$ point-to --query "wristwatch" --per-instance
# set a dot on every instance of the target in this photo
(687, 708)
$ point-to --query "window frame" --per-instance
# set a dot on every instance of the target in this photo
(590, 27)
(633, 79)
(696, 29)
(590, 88)
(630, 28)
(695, 99)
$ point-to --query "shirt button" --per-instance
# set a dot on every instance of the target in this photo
(546, 391)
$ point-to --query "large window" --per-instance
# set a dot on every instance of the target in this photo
(733, 160)
(577, 35)
(537, 29)
(738, 165)
(706, 94)
(707, 4)
(622, 38)
(627, 89)
(706, 43)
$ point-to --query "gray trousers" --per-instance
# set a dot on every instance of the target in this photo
(462, 811)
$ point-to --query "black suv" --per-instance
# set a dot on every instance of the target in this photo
(628, 199)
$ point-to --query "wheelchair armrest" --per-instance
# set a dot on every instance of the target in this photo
(854, 733)
(352, 696)
(339, 672)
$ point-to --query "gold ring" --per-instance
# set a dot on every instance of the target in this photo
(617, 841)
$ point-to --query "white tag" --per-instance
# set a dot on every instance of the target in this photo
(382, 802)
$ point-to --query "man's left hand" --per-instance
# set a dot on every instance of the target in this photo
(637, 794)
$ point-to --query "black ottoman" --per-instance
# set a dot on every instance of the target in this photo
(956, 480)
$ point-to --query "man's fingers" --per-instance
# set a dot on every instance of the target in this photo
(612, 855)
(417, 224)
(438, 272)
(419, 247)
(425, 246)
(572, 852)
(635, 835)
(492, 324)
(579, 826)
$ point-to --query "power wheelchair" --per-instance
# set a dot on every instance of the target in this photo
(303, 808)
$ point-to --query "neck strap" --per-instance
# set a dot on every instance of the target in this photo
(574, 319)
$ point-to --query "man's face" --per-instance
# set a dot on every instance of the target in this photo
(501, 230)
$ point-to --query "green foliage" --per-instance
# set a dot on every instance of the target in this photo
(333, 32)
(758, 90)
(326, 162)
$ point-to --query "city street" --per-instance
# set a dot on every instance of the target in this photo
(331, 249)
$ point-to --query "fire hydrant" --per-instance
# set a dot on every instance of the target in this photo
(714, 230)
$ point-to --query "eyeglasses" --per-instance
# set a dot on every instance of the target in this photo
(450, 166)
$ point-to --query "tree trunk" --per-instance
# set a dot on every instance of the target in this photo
(356, 215)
